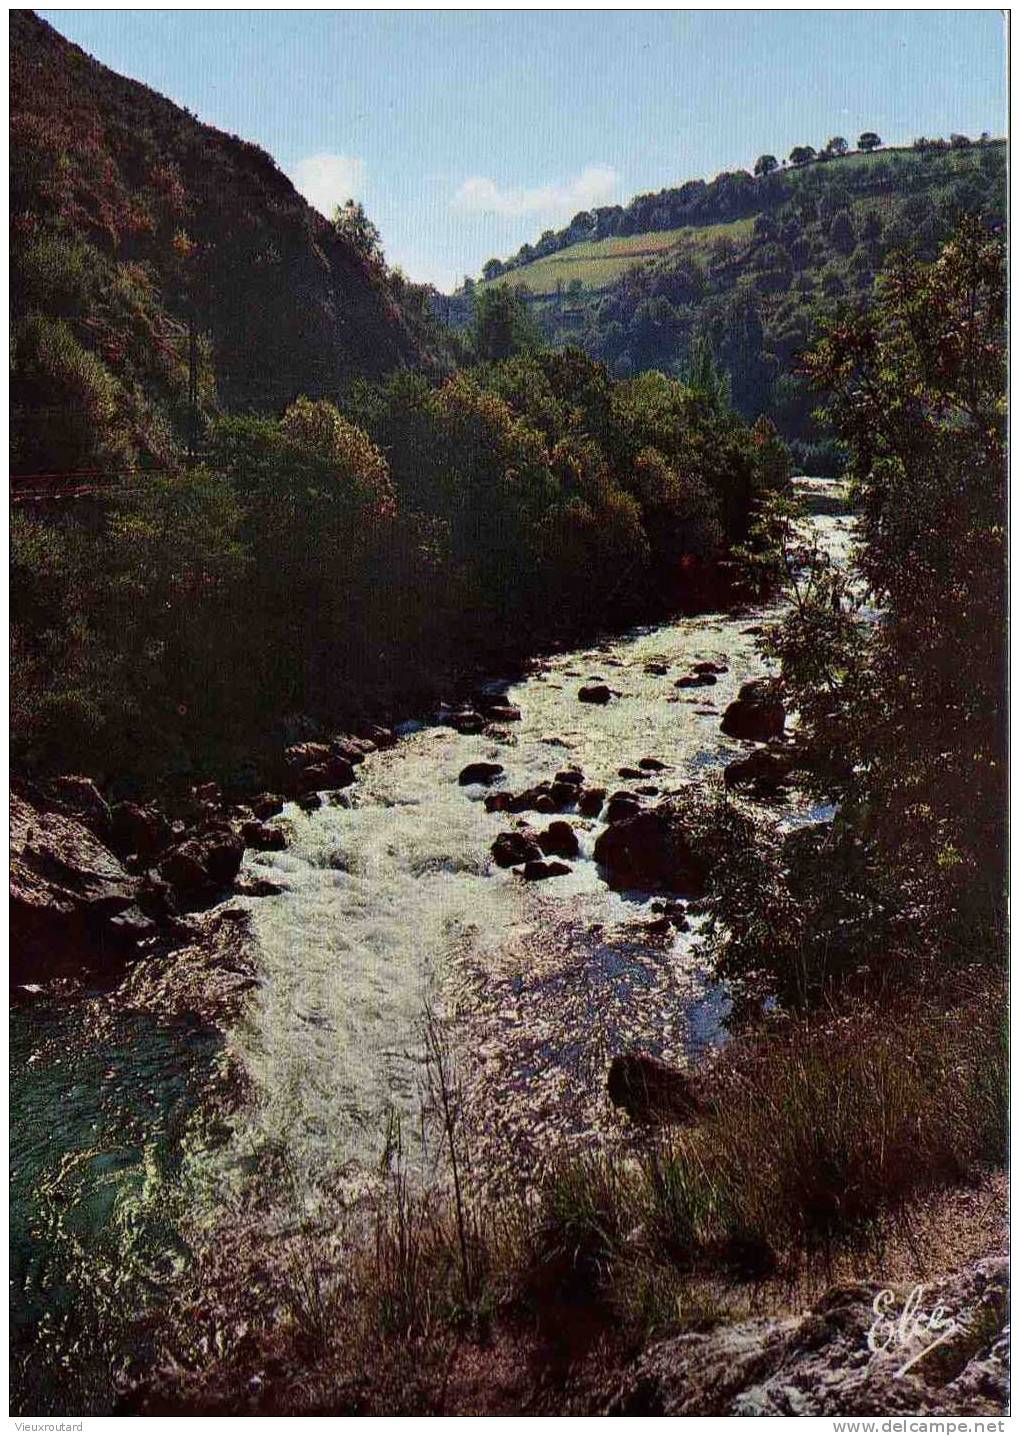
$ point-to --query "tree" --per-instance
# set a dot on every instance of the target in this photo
(837, 145)
(502, 324)
(868, 141)
(491, 269)
(842, 232)
(764, 226)
(917, 730)
(802, 154)
(353, 225)
(871, 229)
(765, 164)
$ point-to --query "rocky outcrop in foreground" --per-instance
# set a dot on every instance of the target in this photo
(820, 1363)
(68, 891)
(90, 882)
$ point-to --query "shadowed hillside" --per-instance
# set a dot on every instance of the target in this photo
(129, 216)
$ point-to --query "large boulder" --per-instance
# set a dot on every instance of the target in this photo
(313, 767)
(305, 755)
(757, 712)
(203, 865)
(595, 693)
(263, 837)
(622, 805)
(380, 736)
(589, 804)
(498, 708)
(650, 1090)
(266, 805)
(66, 887)
(352, 750)
(649, 850)
(468, 720)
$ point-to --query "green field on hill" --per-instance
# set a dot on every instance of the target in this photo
(600, 263)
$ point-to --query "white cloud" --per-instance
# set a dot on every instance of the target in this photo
(328, 180)
(595, 185)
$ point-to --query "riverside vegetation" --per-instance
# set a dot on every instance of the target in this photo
(377, 511)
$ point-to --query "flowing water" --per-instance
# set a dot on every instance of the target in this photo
(391, 903)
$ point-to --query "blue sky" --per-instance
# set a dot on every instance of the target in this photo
(466, 133)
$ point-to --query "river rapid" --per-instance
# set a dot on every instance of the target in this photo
(389, 905)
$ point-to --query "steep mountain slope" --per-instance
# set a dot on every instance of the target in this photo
(748, 264)
(129, 217)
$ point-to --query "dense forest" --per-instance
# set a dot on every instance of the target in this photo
(749, 265)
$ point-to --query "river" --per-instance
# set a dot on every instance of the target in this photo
(390, 903)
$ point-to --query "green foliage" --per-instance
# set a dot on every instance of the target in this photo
(896, 667)
(918, 392)
(502, 325)
(354, 227)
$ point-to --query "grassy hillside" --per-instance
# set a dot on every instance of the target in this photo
(596, 264)
(130, 218)
(755, 286)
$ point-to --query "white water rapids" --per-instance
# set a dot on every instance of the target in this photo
(394, 901)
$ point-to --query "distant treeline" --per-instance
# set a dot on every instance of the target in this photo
(732, 195)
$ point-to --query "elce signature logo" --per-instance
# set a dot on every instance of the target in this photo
(892, 1332)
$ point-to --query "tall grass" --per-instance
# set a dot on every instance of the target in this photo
(823, 1133)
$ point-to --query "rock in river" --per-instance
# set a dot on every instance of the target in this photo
(559, 840)
(589, 804)
(649, 1089)
(140, 830)
(757, 712)
(484, 773)
(764, 767)
(537, 871)
(203, 865)
(622, 805)
(313, 767)
(264, 837)
(595, 693)
(649, 850)
(509, 849)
